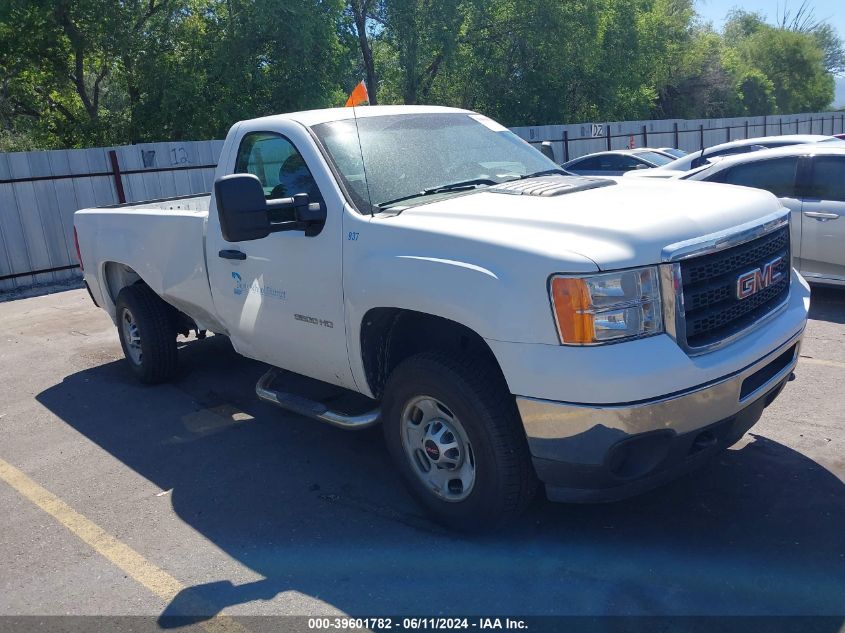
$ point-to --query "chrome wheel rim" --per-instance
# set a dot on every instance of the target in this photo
(438, 449)
(131, 336)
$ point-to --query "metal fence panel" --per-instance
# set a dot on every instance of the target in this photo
(30, 218)
(14, 257)
(576, 140)
(40, 191)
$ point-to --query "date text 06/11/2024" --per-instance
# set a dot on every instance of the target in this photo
(414, 624)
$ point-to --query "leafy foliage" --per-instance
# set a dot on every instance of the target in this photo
(83, 72)
(798, 57)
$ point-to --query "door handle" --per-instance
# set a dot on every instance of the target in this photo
(231, 254)
(821, 216)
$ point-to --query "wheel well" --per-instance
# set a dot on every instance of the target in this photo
(390, 335)
(117, 276)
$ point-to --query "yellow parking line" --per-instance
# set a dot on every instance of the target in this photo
(131, 562)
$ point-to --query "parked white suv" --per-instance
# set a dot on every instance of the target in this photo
(809, 180)
(694, 160)
(503, 321)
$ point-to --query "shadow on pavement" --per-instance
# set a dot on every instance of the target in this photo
(320, 511)
(827, 304)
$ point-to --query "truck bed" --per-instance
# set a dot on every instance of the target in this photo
(198, 203)
(162, 241)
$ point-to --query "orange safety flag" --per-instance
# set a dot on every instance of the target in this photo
(358, 95)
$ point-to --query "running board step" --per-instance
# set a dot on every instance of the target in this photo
(312, 408)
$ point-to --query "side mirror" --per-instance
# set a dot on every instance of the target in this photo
(245, 214)
(241, 208)
(309, 216)
(548, 151)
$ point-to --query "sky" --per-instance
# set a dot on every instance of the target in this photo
(832, 11)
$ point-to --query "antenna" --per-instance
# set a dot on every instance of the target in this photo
(363, 163)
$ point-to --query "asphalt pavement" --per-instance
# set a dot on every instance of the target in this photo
(196, 498)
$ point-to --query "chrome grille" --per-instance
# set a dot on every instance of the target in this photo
(712, 311)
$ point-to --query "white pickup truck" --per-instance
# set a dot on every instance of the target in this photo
(506, 322)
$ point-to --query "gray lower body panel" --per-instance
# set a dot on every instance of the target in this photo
(590, 453)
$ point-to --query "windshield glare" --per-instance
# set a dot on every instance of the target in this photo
(403, 155)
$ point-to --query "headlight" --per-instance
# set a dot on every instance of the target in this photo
(607, 307)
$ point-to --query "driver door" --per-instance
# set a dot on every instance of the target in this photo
(281, 296)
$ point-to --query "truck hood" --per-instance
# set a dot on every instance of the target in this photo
(626, 224)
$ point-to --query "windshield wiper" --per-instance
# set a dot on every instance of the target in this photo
(455, 186)
(470, 184)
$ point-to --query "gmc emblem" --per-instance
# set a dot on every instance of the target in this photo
(755, 280)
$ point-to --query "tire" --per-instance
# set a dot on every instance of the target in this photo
(147, 335)
(467, 421)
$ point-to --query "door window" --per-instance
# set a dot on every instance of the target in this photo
(277, 164)
(776, 175)
(616, 162)
(828, 180)
(607, 162)
(588, 164)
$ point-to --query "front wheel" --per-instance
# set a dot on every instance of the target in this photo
(454, 432)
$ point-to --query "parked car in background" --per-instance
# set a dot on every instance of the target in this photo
(616, 162)
(810, 181)
(702, 157)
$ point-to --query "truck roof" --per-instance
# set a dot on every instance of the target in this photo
(314, 117)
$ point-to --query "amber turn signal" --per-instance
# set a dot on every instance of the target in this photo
(571, 300)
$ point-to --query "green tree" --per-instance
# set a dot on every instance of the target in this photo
(519, 73)
(803, 20)
(701, 84)
(834, 50)
(756, 93)
(550, 61)
(741, 24)
(221, 61)
(86, 72)
(425, 36)
(794, 63)
(366, 18)
(60, 59)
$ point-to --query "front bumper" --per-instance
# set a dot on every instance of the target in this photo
(605, 452)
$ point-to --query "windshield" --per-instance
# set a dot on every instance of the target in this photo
(654, 158)
(401, 156)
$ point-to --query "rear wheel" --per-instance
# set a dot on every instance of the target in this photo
(147, 334)
(454, 432)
